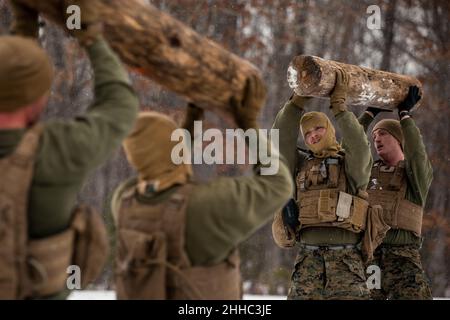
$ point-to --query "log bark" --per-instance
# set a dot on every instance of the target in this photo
(316, 77)
(167, 51)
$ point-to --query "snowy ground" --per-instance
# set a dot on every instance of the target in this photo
(111, 295)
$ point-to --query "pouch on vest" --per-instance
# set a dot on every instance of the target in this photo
(91, 247)
(326, 206)
(397, 177)
(141, 265)
(47, 262)
(343, 206)
(217, 282)
(333, 175)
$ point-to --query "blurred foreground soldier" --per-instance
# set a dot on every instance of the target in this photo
(330, 212)
(400, 182)
(44, 165)
(177, 239)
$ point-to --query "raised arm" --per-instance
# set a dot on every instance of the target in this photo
(358, 159)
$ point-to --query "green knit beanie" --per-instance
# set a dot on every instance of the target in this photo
(393, 127)
(26, 72)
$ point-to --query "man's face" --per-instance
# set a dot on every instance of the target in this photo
(314, 135)
(385, 144)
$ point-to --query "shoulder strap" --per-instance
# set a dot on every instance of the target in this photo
(17, 174)
(26, 150)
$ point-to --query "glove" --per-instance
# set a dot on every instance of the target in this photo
(376, 111)
(282, 235)
(91, 27)
(290, 215)
(339, 94)
(25, 21)
(410, 101)
(298, 101)
(246, 111)
(193, 113)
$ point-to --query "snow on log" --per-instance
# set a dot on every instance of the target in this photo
(316, 77)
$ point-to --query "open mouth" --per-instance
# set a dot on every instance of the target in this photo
(379, 147)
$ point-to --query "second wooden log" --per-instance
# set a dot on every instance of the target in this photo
(316, 77)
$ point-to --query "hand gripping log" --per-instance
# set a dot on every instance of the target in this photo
(167, 51)
(316, 77)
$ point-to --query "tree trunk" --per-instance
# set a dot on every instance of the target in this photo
(314, 76)
(167, 51)
(388, 34)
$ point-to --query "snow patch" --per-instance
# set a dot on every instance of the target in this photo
(111, 295)
(292, 77)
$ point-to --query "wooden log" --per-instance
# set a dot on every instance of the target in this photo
(316, 77)
(167, 51)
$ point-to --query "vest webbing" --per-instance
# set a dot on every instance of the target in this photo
(151, 247)
(17, 173)
(28, 268)
(321, 195)
(388, 189)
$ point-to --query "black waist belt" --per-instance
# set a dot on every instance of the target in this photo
(328, 247)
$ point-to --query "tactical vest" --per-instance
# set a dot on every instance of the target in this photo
(322, 197)
(36, 268)
(151, 261)
(387, 188)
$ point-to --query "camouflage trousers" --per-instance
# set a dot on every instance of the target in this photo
(402, 275)
(328, 274)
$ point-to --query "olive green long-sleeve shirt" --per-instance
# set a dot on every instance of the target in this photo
(224, 212)
(419, 173)
(69, 150)
(357, 162)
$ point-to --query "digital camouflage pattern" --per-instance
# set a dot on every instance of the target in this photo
(402, 275)
(325, 274)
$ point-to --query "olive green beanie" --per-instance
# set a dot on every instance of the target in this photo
(393, 127)
(26, 72)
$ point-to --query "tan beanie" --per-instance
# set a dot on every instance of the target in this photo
(393, 127)
(148, 148)
(26, 72)
(328, 145)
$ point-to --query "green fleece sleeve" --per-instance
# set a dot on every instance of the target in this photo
(288, 124)
(418, 166)
(70, 149)
(365, 120)
(358, 159)
(223, 213)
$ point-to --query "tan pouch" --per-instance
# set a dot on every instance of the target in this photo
(343, 206)
(91, 247)
(218, 282)
(326, 206)
(376, 229)
(359, 213)
(141, 263)
(48, 261)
